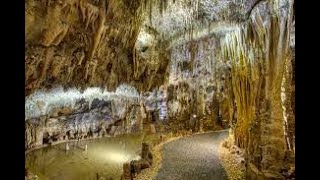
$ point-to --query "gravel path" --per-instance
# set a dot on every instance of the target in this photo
(193, 158)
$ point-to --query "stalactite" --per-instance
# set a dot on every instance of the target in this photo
(150, 12)
(45, 64)
(285, 113)
(89, 13)
(97, 37)
(258, 50)
(244, 68)
(161, 8)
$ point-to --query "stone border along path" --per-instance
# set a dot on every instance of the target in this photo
(194, 157)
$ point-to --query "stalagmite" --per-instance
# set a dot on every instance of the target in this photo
(67, 147)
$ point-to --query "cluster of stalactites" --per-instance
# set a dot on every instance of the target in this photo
(256, 47)
(162, 5)
(194, 60)
(255, 39)
(43, 102)
(157, 11)
(93, 16)
(185, 18)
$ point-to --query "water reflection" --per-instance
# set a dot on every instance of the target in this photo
(102, 158)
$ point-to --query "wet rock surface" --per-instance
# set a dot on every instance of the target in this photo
(193, 157)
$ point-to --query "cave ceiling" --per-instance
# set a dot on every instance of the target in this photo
(92, 43)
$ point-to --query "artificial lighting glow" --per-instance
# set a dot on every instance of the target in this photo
(117, 157)
(112, 154)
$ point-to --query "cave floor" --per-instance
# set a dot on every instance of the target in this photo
(193, 157)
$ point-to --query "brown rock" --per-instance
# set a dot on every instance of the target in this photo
(126, 172)
(226, 144)
(145, 150)
(253, 173)
(144, 163)
(136, 166)
(273, 176)
(291, 172)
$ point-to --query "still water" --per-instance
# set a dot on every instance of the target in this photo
(103, 157)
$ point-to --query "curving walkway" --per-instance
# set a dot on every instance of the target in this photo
(193, 158)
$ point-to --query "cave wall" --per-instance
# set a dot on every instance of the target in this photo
(99, 118)
(58, 115)
(88, 43)
(197, 93)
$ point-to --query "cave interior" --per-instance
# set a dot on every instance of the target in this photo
(108, 82)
